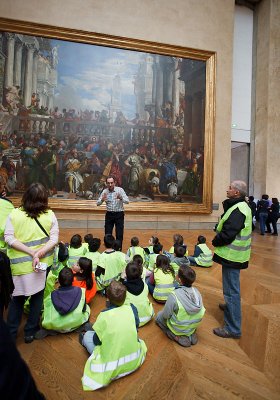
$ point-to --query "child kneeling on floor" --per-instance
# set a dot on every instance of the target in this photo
(183, 310)
(113, 344)
(65, 309)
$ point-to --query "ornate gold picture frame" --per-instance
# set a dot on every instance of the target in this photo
(77, 106)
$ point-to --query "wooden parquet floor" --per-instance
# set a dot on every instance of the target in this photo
(215, 368)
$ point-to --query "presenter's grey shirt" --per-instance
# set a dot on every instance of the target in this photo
(112, 203)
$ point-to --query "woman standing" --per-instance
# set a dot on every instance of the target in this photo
(262, 211)
(31, 232)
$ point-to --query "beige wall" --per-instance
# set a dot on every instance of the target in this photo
(201, 24)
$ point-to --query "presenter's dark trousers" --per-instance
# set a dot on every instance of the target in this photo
(115, 219)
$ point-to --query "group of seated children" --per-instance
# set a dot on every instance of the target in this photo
(126, 279)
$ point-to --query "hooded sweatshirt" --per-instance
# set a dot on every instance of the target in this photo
(66, 299)
(135, 286)
(180, 260)
(189, 297)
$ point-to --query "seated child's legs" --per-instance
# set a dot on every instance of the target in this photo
(150, 286)
(161, 322)
(88, 341)
(192, 261)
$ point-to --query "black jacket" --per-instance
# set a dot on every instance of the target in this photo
(232, 226)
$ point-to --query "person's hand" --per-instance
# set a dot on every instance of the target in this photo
(119, 197)
(104, 197)
(35, 261)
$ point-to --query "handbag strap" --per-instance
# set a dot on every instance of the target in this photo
(42, 228)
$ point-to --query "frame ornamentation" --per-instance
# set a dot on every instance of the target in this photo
(209, 57)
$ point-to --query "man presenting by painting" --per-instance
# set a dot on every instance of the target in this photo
(114, 197)
(233, 249)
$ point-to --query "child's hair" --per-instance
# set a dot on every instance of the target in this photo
(134, 241)
(86, 265)
(63, 253)
(94, 244)
(157, 248)
(162, 262)
(179, 251)
(76, 241)
(117, 246)
(138, 259)
(155, 240)
(116, 293)
(178, 239)
(109, 241)
(65, 277)
(133, 270)
(187, 275)
(201, 239)
(88, 237)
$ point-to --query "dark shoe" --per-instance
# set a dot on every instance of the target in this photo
(262, 234)
(81, 338)
(275, 234)
(42, 333)
(222, 332)
(181, 340)
(222, 306)
(85, 327)
(28, 339)
(267, 231)
(193, 339)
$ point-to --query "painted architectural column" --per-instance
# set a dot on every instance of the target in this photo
(176, 91)
(28, 75)
(196, 121)
(35, 72)
(9, 72)
(188, 121)
(18, 61)
(159, 88)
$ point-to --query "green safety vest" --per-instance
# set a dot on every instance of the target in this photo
(27, 231)
(164, 285)
(133, 250)
(114, 264)
(182, 323)
(152, 261)
(68, 322)
(75, 254)
(205, 259)
(143, 305)
(240, 249)
(94, 257)
(120, 352)
(6, 207)
(171, 251)
(175, 266)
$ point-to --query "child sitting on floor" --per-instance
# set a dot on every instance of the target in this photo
(76, 249)
(203, 256)
(183, 310)
(113, 343)
(93, 253)
(178, 240)
(135, 249)
(137, 292)
(87, 238)
(139, 261)
(157, 249)
(84, 277)
(65, 309)
(150, 249)
(178, 258)
(162, 281)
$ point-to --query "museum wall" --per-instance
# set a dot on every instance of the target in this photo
(191, 23)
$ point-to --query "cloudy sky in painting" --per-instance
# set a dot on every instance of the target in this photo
(86, 73)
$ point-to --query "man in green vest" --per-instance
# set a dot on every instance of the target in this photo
(233, 249)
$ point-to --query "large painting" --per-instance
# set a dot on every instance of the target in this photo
(77, 107)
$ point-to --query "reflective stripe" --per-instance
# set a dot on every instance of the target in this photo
(19, 260)
(161, 294)
(205, 257)
(115, 278)
(36, 242)
(145, 319)
(165, 286)
(176, 329)
(239, 237)
(74, 257)
(238, 248)
(186, 322)
(91, 383)
(112, 365)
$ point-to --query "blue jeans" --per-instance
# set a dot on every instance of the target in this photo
(231, 290)
(192, 261)
(15, 312)
(263, 218)
(151, 287)
(88, 341)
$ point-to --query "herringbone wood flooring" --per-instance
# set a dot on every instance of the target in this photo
(215, 368)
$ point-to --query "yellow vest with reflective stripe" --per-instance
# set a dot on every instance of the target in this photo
(6, 207)
(143, 305)
(164, 285)
(27, 231)
(205, 259)
(75, 254)
(114, 264)
(68, 322)
(152, 261)
(240, 249)
(94, 256)
(133, 250)
(182, 323)
(120, 352)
